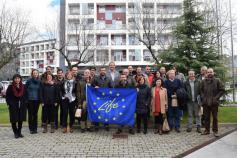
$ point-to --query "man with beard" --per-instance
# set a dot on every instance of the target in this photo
(104, 82)
(123, 83)
(211, 91)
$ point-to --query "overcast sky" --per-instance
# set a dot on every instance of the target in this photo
(42, 12)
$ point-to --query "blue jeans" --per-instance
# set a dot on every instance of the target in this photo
(174, 114)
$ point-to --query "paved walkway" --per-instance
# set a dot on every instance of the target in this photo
(225, 147)
(100, 144)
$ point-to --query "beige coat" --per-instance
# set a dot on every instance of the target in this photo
(163, 100)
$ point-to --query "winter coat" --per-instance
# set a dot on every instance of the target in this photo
(102, 83)
(49, 94)
(16, 105)
(33, 88)
(163, 99)
(143, 99)
(211, 91)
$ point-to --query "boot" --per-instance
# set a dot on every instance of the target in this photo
(52, 127)
(160, 129)
(19, 133)
(44, 125)
(156, 130)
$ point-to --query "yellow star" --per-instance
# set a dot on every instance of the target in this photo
(94, 103)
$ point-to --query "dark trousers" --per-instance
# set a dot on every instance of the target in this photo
(208, 110)
(17, 128)
(68, 109)
(174, 114)
(159, 119)
(48, 111)
(141, 117)
(58, 108)
(33, 107)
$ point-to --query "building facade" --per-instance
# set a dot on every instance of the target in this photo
(38, 55)
(109, 27)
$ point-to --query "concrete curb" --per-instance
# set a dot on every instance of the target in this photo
(204, 144)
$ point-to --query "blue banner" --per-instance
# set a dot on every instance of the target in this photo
(111, 105)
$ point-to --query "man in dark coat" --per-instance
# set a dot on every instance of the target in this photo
(123, 83)
(211, 91)
(101, 81)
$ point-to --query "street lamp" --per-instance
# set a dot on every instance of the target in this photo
(232, 51)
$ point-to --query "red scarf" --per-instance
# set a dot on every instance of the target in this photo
(157, 101)
(18, 91)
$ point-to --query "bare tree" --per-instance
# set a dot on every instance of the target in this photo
(152, 27)
(13, 31)
(79, 45)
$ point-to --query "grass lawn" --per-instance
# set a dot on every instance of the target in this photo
(226, 115)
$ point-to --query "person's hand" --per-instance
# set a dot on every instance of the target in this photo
(42, 104)
(56, 104)
(97, 87)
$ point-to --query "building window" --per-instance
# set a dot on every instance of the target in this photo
(102, 40)
(133, 40)
(118, 55)
(118, 39)
(87, 9)
(135, 55)
(74, 9)
(102, 56)
(147, 55)
(50, 56)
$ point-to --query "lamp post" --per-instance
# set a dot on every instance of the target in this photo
(232, 51)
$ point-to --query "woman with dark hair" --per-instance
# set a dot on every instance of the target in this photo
(143, 103)
(33, 86)
(15, 98)
(159, 104)
(68, 95)
(157, 75)
(49, 99)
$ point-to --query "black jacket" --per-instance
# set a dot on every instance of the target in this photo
(16, 105)
(49, 94)
(143, 99)
(100, 82)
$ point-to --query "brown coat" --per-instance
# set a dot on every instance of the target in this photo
(163, 99)
(211, 91)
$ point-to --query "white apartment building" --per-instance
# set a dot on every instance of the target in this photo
(109, 25)
(38, 55)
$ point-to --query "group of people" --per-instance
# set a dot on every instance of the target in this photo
(160, 94)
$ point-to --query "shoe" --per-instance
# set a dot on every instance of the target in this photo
(205, 133)
(216, 134)
(160, 132)
(189, 129)
(64, 130)
(52, 130)
(107, 128)
(199, 130)
(119, 131)
(44, 130)
(177, 130)
(31, 132)
(35, 132)
(71, 130)
(96, 129)
(131, 131)
(145, 132)
(16, 135)
(138, 131)
(156, 131)
(83, 130)
(89, 130)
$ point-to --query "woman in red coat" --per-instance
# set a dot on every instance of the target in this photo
(15, 98)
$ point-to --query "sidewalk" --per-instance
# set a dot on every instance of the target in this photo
(225, 147)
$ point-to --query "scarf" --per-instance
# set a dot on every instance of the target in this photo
(157, 102)
(18, 91)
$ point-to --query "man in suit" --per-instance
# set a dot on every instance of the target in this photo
(112, 74)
